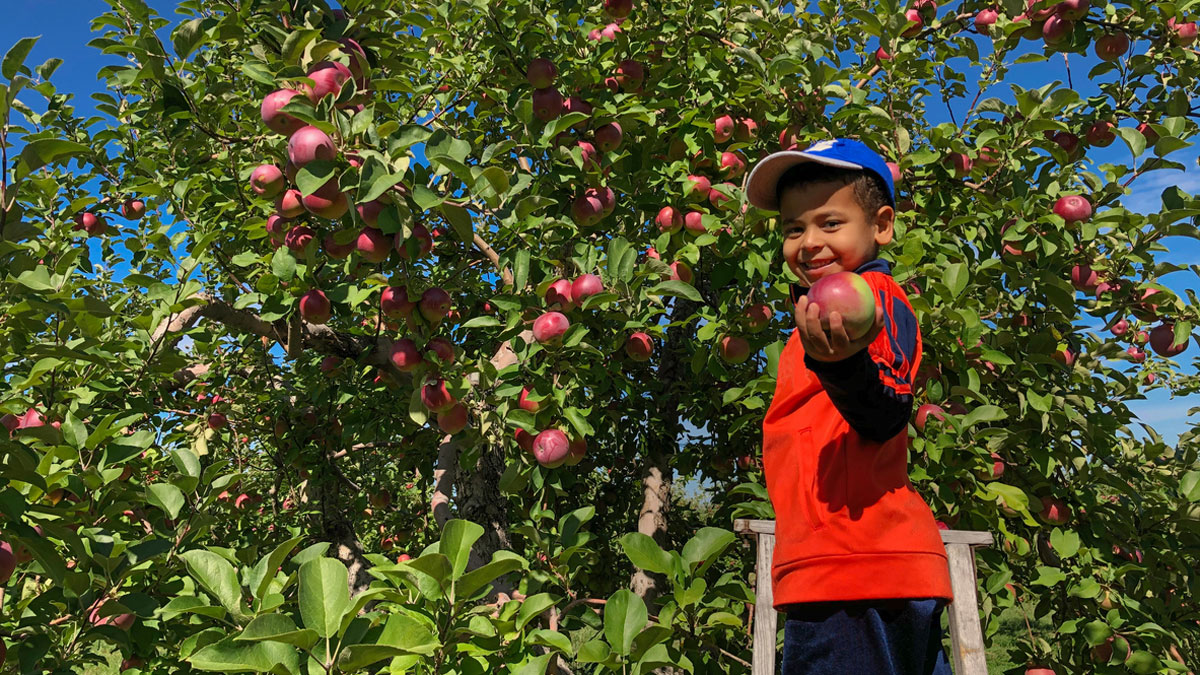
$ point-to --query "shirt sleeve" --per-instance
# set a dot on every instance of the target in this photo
(872, 389)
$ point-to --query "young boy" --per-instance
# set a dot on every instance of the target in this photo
(859, 565)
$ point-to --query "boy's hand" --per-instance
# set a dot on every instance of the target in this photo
(836, 345)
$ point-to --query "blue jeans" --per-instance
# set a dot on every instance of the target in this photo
(871, 637)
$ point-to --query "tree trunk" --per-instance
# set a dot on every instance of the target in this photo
(329, 493)
(657, 474)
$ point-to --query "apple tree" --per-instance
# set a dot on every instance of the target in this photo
(384, 336)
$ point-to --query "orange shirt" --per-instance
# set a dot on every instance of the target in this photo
(848, 523)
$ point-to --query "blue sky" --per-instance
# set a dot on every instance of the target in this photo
(65, 29)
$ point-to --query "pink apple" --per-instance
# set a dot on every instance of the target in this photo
(1057, 29)
(745, 131)
(576, 104)
(328, 78)
(849, 295)
(422, 237)
(586, 210)
(757, 317)
(1182, 33)
(1073, 208)
(618, 9)
(693, 222)
(985, 19)
(315, 307)
(639, 346)
(558, 296)
(547, 104)
(733, 165)
(576, 451)
(310, 143)
(373, 245)
(524, 403)
(591, 157)
(669, 219)
(541, 73)
(723, 129)
(328, 201)
(369, 212)
(958, 163)
(681, 272)
(1054, 511)
(266, 180)
(434, 304)
(584, 286)
(1084, 278)
(1065, 356)
(394, 302)
(1120, 328)
(914, 23)
(290, 204)
(280, 123)
(405, 356)
(894, 168)
(698, 188)
(299, 238)
(550, 327)
(217, 421)
(608, 137)
(94, 225)
(881, 54)
(550, 448)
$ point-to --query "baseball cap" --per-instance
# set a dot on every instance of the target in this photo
(842, 152)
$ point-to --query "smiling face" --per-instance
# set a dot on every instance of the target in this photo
(826, 230)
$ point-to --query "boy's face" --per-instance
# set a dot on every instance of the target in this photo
(826, 231)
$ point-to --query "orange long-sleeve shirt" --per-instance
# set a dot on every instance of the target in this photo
(848, 523)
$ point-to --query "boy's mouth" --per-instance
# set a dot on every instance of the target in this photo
(818, 265)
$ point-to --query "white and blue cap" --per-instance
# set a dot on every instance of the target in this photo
(841, 152)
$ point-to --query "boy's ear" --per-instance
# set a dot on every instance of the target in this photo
(885, 221)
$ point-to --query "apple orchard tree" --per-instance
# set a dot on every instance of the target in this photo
(377, 338)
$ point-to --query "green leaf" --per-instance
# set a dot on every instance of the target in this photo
(1189, 486)
(594, 651)
(277, 627)
(15, 58)
(73, 431)
(703, 549)
(645, 553)
(984, 413)
(1096, 632)
(579, 422)
(502, 563)
(188, 35)
(496, 178)
(313, 175)
(402, 634)
(45, 151)
(460, 220)
(458, 536)
(324, 595)
(232, 657)
(550, 638)
(261, 575)
(677, 288)
(216, 576)
(294, 44)
(190, 604)
(956, 277)
(1133, 138)
(1066, 544)
(283, 264)
(625, 616)
(531, 607)
(166, 497)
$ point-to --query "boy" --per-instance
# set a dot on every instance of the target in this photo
(859, 567)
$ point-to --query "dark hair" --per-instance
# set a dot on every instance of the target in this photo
(869, 189)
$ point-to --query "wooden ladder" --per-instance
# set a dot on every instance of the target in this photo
(966, 632)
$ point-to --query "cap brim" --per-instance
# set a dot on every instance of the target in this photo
(760, 184)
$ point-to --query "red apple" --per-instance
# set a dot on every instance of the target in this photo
(541, 73)
(524, 440)
(733, 165)
(734, 349)
(299, 238)
(698, 188)
(1120, 328)
(453, 420)
(442, 348)
(276, 121)
(1073, 208)
(1148, 132)
(630, 75)
(576, 104)
(881, 55)
(436, 397)
(423, 238)
(394, 302)
(693, 222)
(1057, 29)
(1100, 133)
(550, 327)
(1054, 511)
(639, 346)
(1112, 46)
(924, 412)
(558, 296)
(591, 157)
(1084, 278)
(8, 562)
(914, 23)
(585, 285)
(290, 204)
(1162, 340)
(315, 307)
(310, 143)
(1182, 33)
(434, 304)
(369, 212)
(328, 201)
(745, 131)
(404, 355)
(373, 245)
(608, 137)
(681, 272)
(757, 317)
(550, 448)
(217, 421)
(587, 210)
(547, 104)
(849, 295)
(618, 9)
(94, 225)
(134, 209)
(669, 219)
(958, 163)
(576, 451)
(524, 403)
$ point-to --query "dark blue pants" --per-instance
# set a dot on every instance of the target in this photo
(871, 637)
